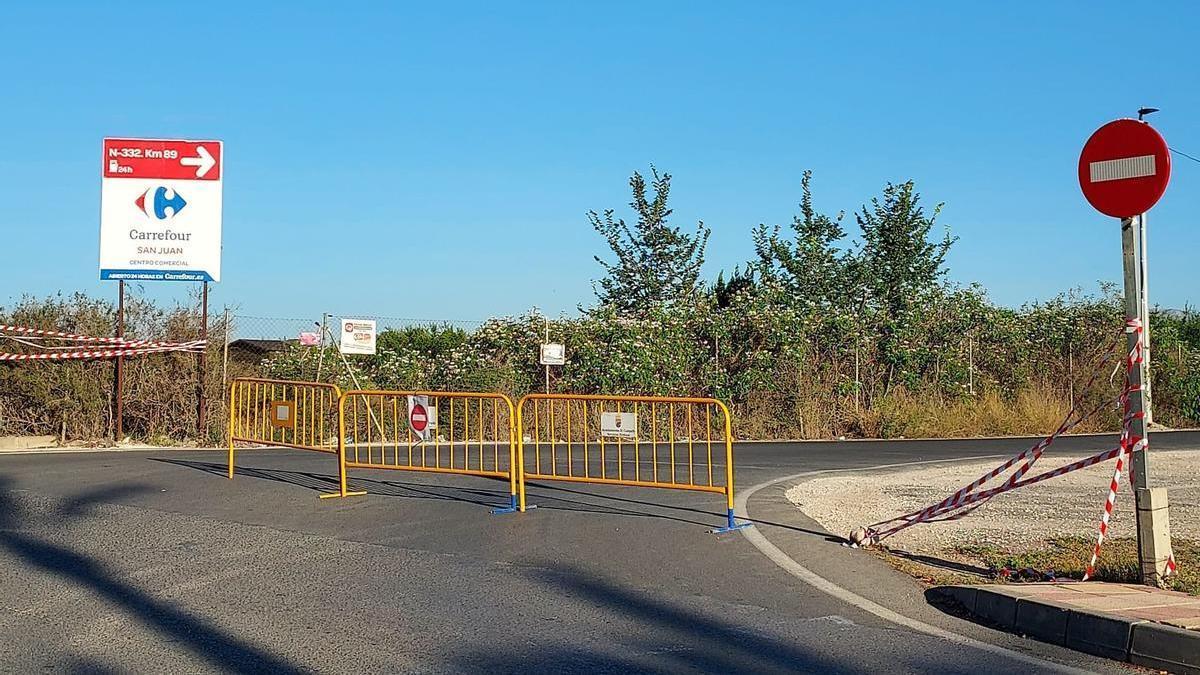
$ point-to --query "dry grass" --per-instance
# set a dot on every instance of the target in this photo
(1029, 412)
(1068, 556)
(902, 414)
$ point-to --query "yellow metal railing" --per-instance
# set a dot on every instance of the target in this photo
(284, 413)
(469, 433)
(650, 441)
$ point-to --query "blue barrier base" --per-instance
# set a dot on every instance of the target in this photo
(512, 507)
(731, 525)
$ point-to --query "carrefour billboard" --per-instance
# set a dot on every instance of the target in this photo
(160, 210)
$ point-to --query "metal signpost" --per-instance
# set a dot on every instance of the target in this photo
(160, 220)
(1123, 170)
(551, 354)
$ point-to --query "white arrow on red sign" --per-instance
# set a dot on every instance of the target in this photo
(203, 161)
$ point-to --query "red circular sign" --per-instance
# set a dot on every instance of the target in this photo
(1124, 168)
(418, 418)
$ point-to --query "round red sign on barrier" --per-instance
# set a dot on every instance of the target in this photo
(418, 418)
(1124, 168)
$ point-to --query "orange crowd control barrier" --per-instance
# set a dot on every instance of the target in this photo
(467, 433)
(285, 413)
(648, 441)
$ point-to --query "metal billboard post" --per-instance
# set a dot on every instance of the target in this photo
(201, 363)
(119, 365)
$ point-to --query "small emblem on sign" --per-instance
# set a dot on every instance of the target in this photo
(160, 202)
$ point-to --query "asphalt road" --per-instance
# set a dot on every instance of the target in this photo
(153, 561)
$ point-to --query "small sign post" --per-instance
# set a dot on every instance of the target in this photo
(1123, 171)
(552, 354)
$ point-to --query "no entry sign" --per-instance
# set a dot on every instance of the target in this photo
(421, 418)
(1124, 168)
(418, 417)
(160, 210)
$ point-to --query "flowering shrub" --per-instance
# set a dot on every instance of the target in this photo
(957, 364)
(791, 372)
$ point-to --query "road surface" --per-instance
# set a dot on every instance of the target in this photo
(153, 561)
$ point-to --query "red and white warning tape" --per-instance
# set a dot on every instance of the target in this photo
(72, 337)
(967, 499)
(1130, 444)
(103, 347)
(103, 353)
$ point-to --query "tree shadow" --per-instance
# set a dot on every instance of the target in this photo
(667, 639)
(217, 647)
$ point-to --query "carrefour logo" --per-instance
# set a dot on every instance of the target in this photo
(162, 203)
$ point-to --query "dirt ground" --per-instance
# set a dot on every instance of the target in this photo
(1017, 520)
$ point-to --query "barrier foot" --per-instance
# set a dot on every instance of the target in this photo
(512, 507)
(731, 525)
(353, 493)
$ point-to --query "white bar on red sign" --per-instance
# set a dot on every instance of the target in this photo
(1119, 169)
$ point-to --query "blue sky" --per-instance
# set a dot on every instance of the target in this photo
(437, 160)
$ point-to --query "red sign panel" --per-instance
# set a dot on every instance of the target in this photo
(1124, 168)
(153, 158)
(418, 418)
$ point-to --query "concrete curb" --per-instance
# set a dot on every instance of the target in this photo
(1136, 641)
(79, 450)
(18, 443)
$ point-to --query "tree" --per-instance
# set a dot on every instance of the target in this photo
(726, 293)
(809, 265)
(898, 262)
(898, 267)
(656, 264)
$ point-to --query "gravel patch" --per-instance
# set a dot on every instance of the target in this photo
(1017, 520)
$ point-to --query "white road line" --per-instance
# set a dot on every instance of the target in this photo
(849, 597)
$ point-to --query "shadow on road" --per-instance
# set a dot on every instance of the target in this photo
(666, 638)
(203, 639)
(939, 563)
(549, 496)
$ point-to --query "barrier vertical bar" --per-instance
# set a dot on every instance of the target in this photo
(232, 421)
(451, 401)
(496, 435)
(396, 430)
(567, 425)
(343, 490)
(516, 457)
(587, 469)
(620, 451)
(708, 438)
(600, 435)
(671, 438)
(691, 440)
(516, 481)
(637, 447)
(731, 523)
(654, 437)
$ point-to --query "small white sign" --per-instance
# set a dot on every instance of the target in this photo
(618, 425)
(358, 336)
(554, 355)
